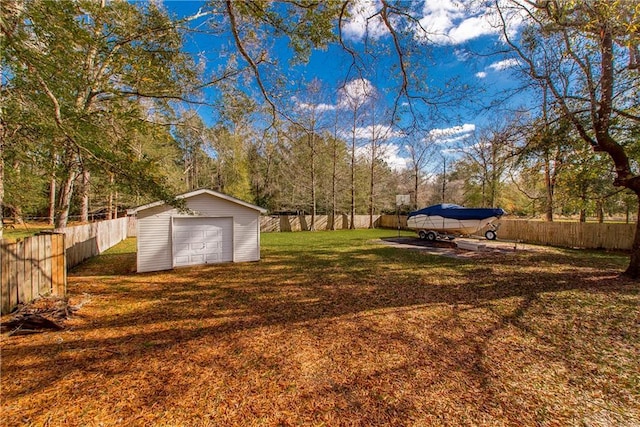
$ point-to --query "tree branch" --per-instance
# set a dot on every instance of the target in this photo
(248, 58)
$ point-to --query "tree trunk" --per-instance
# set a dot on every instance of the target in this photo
(633, 270)
(2, 141)
(372, 183)
(334, 179)
(84, 208)
(110, 199)
(416, 182)
(194, 166)
(444, 180)
(352, 226)
(600, 210)
(371, 205)
(187, 176)
(583, 199)
(549, 188)
(115, 205)
(52, 199)
(65, 200)
(314, 203)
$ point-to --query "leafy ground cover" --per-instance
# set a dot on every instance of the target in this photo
(335, 328)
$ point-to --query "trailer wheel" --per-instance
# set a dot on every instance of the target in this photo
(490, 235)
(422, 234)
(431, 236)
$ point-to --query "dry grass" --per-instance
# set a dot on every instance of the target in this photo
(332, 328)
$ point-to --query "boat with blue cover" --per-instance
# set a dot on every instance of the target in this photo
(447, 219)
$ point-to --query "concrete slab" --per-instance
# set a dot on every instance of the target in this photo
(470, 245)
(456, 248)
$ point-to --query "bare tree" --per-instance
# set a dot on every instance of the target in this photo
(354, 97)
(419, 146)
(491, 152)
(310, 117)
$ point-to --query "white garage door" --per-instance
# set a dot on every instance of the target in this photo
(202, 241)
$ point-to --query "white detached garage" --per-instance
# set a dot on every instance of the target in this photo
(216, 228)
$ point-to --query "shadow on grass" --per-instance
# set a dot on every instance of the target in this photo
(453, 309)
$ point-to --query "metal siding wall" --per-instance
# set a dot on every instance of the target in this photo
(84, 241)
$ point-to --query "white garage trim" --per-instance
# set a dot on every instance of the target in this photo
(201, 240)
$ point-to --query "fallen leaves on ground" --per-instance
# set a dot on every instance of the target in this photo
(326, 333)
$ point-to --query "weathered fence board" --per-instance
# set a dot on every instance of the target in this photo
(38, 265)
(132, 228)
(391, 221)
(283, 223)
(588, 235)
(88, 240)
(569, 234)
(31, 268)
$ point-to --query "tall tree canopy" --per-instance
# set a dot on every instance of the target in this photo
(585, 54)
(90, 75)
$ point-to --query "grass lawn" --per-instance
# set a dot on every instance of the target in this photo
(20, 231)
(332, 329)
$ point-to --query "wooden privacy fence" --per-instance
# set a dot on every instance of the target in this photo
(31, 268)
(391, 221)
(322, 222)
(38, 265)
(88, 240)
(587, 235)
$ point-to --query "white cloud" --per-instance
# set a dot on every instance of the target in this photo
(363, 19)
(392, 157)
(503, 65)
(471, 28)
(481, 75)
(450, 151)
(389, 153)
(319, 108)
(451, 22)
(367, 133)
(452, 133)
(450, 141)
(377, 132)
(462, 55)
(443, 22)
(438, 20)
(355, 93)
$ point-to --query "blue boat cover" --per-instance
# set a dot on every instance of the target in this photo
(449, 210)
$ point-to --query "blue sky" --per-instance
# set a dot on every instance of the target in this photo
(460, 42)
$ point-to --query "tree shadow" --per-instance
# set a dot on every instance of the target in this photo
(319, 293)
